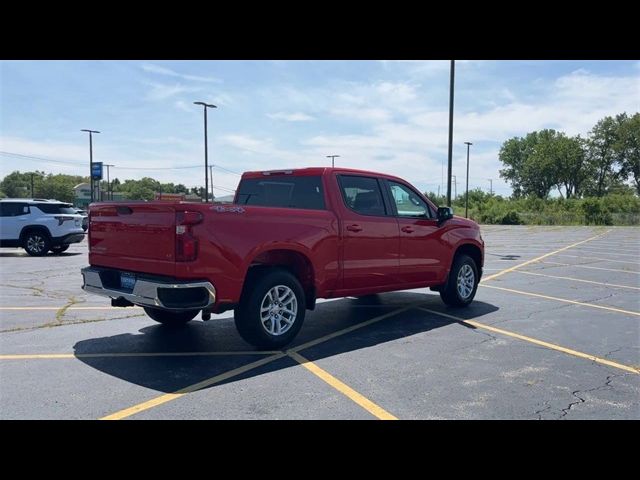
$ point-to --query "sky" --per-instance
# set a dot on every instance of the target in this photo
(386, 116)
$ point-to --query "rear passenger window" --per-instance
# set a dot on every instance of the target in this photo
(9, 209)
(362, 195)
(282, 191)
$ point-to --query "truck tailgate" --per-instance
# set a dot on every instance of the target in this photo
(138, 237)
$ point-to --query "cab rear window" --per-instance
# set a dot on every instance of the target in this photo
(282, 191)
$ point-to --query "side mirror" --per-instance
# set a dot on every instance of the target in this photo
(444, 214)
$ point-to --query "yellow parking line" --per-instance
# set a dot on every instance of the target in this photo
(346, 390)
(167, 397)
(578, 280)
(591, 268)
(537, 259)
(127, 412)
(626, 262)
(542, 343)
(547, 297)
(55, 356)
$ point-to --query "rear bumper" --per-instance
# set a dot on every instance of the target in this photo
(150, 291)
(67, 239)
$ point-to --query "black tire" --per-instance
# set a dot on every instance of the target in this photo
(36, 242)
(249, 317)
(450, 294)
(171, 318)
(59, 249)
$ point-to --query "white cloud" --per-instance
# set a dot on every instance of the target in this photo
(290, 117)
(157, 69)
(160, 91)
(362, 114)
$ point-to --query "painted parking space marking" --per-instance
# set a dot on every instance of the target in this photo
(343, 388)
(535, 341)
(168, 397)
(614, 285)
(626, 262)
(541, 257)
(591, 268)
(557, 299)
(61, 356)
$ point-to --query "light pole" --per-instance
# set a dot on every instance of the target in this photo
(109, 192)
(333, 157)
(206, 153)
(455, 186)
(490, 186)
(466, 200)
(451, 84)
(90, 157)
(33, 195)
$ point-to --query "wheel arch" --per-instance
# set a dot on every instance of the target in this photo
(294, 261)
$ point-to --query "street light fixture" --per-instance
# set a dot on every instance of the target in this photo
(452, 76)
(90, 158)
(466, 201)
(206, 153)
(333, 157)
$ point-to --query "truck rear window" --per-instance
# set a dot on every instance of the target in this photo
(282, 191)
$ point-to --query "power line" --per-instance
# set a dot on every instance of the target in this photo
(67, 162)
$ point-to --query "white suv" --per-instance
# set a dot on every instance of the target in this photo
(39, 225)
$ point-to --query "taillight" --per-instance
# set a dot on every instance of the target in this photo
(186, 243)
(61, 219)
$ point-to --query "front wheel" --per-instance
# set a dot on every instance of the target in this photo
(171, 318)
(272, 310)
(462, 284)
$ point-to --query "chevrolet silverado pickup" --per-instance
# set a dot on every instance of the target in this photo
(289, 238)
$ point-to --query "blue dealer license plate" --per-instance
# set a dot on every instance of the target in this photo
(127, 281)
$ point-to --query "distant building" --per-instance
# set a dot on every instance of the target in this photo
(82, 195)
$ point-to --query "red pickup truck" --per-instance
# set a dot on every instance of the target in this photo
(290, 237)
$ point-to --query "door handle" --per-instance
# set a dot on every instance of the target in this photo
(354, 228)
(407, 229)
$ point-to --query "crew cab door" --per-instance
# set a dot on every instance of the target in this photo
(423, 253)
(370, 235)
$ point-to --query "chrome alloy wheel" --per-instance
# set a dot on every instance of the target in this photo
(466, 281)
(35, 243)
(278, 310)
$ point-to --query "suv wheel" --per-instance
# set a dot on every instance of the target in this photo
(271, 311)
(462, 284)
(36, 243)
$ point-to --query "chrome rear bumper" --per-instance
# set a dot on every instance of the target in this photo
(153, 293)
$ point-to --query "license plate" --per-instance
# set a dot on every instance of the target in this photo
(127, 281)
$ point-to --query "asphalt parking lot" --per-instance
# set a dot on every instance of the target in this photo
(554, 333)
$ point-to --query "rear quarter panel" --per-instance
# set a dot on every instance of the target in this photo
(232, 236)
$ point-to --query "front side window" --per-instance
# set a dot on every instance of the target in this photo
(408, 203)
(8, 209)
(282, 191)
(362, 195)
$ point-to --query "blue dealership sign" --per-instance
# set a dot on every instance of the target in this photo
(96, 170)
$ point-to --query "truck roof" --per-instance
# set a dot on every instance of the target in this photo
(315, 171)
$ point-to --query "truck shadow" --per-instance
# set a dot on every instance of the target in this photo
(170, 373)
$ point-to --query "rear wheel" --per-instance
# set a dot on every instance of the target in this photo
(169, 317)
(36, 243)
(272, 310)
(462, 284)
(59, 249)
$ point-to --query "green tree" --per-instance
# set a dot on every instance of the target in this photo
(628, 149)
(16, 185)
(603, 153)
